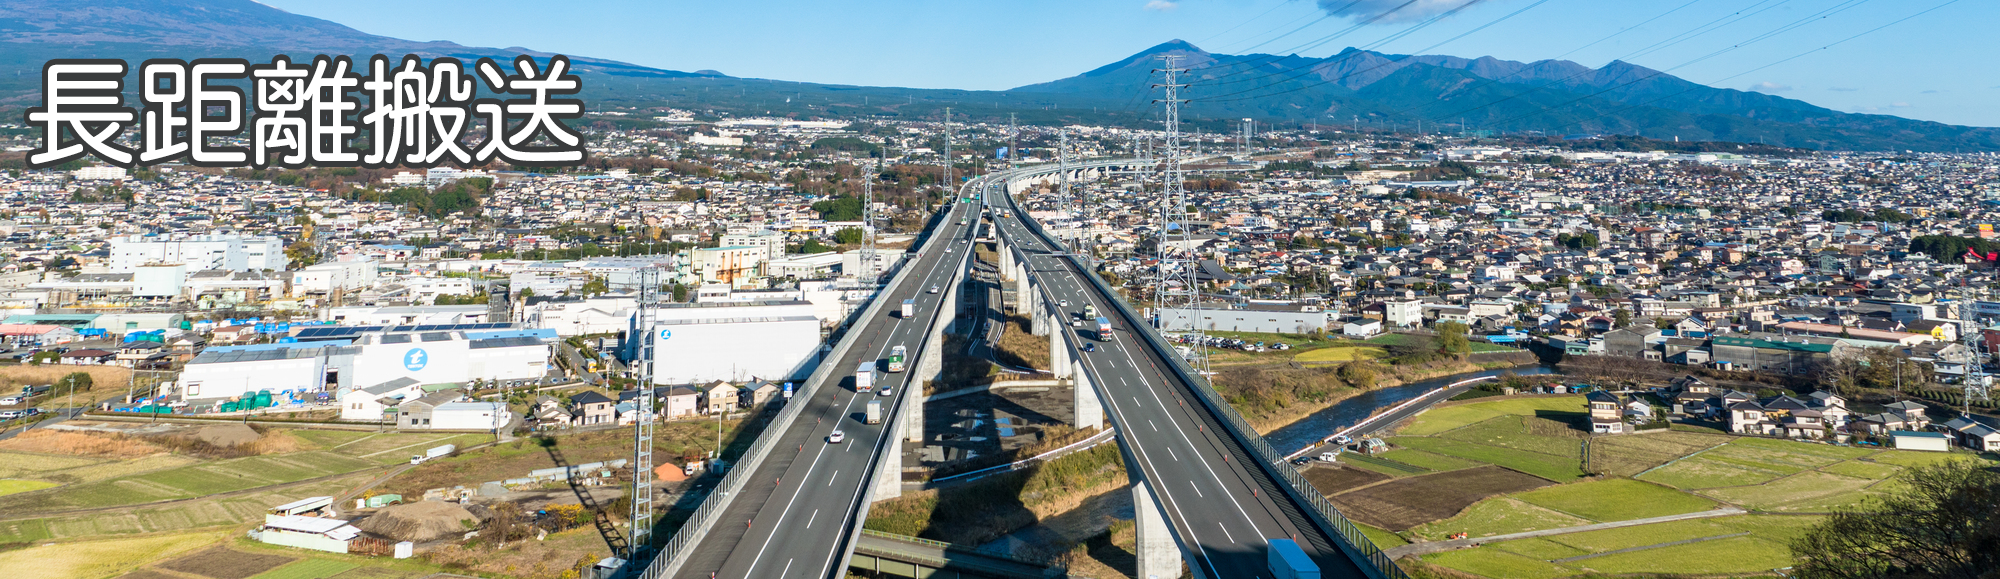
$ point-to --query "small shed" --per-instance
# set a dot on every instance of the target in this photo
(331, 535)
(1913, 440)
(302, 506)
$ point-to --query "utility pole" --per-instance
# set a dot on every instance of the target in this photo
(642, 429)
(1177, 262)
(867, 274)
(1247, 123)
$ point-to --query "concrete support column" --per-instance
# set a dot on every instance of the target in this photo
(1159, 555)
(1038, 313)
(1006, 259)
(888, 483)
(1089, 409)
(1059, 353)
(1020, 283)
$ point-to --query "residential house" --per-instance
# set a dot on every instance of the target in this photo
(759, 392)
(417, 414)
(1605, 413)
(720, 397)
(593, 409)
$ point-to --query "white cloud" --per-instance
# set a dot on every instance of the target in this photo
(1391, 11)
(1768, 86)
(1900, 105)
(1161, 5)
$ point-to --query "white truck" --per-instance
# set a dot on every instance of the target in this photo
(875, 413)
(434, 452)
(864, 378)
(1288, 561)
(909, 309)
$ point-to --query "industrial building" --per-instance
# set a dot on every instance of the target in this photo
(400, 315)
(199, 252)
(334, 277)
(346, 359)
(704, 342)
(1272, 319)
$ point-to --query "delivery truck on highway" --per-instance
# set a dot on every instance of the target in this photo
(875, 417)
(1103, 329)
(896, 355)
(864, 378)
(1288, 561)
(909, 309)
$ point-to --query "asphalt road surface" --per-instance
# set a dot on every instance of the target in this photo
(793, 517)
(1224, 511)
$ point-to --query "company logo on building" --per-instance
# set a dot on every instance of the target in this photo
(415, 360)
(666, 333)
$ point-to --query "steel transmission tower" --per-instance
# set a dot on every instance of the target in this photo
(1177, 261)
(868, 276)
(1013, 143)
(642, 429)
(1064, 203)
(950, 187)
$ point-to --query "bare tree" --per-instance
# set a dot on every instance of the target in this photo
(1940, 525)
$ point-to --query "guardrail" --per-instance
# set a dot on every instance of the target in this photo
(1321, 511)
(673, 553)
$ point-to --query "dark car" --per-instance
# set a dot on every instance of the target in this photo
(1090, 347)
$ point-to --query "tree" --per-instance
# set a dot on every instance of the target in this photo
(1358, 373)
(526, 293)
(78, 380)
(1938, 523)
(596, 286)
(1621, 318)
(848, 236)
(1452, 340)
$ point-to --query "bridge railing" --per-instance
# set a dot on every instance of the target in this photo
(674, 552)
(1321, 511)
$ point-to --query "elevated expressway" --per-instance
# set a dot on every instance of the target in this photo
(1208, 490)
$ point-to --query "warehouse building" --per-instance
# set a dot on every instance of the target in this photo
(361, 358)
(737, 342)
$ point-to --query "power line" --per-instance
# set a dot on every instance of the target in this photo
(1222, 98)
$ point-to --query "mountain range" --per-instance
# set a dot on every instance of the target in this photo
(1376, 90)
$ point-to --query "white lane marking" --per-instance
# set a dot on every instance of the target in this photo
(1176, 455)
(788, 568)
(1156, 427)
(815, 517)
(1197, 492)
(1163, 493)
(1225, 532)
(1204, 461)
(1135, 400)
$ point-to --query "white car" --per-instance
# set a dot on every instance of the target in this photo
(934, 289)
(836, 437)
(884, 391)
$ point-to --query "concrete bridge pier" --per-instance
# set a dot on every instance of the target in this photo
(888, 483)
(1038, 313)
(1059, 354)
(1089, 409)
(1159, 554)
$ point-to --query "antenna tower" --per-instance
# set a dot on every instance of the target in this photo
(1064, 203)
(642, 429)
(1177, 287)
(950, 186)
(1013, 143)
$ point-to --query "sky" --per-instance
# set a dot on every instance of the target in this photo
(1936, 66)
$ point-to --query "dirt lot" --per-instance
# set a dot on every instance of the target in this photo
(1335, 479)
(968, 427)
(222, 563)
(1413, 501)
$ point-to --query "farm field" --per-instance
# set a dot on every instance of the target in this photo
(1740, 544)
(1444, 418)
(178, 516)
(1785, 485)
(11, 486)
(384, 447)
(98, 558)
(183, 482)
(1408, 502)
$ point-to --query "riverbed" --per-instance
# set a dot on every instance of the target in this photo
(1351, 411)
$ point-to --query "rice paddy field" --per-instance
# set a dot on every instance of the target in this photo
(1783, 486)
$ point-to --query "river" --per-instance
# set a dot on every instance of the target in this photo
(1345, 413)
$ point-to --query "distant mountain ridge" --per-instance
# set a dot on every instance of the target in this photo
(1503, 95)
(1382, 90)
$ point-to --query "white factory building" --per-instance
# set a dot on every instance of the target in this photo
(734, 341)
(199, 252)
(366, 357)
(605, 314)
(327, 278)
(1263, 318)
(402, 315)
